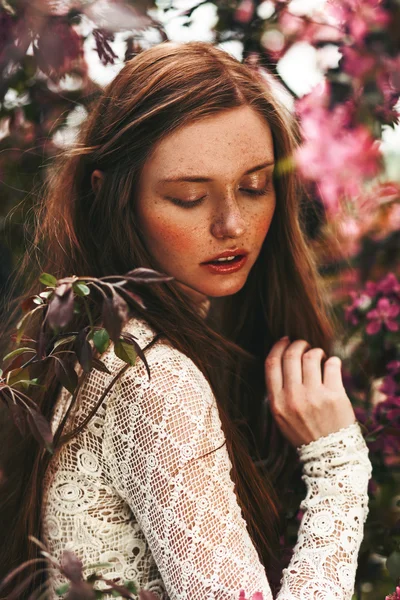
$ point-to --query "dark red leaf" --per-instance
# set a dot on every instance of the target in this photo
(145, 595)
(103, 48)
(71, 566)
(19, 417)
(58, 48)
(28, 304)
(66, 374)
(143, 275)
(40, 429)
(135, 297)
(81, 591)
(120, 306)
(63, 288)
(122, 590)
(83, 351)
(41, 345)
(115, 313)
(16, 363)
(61, 308)
(100, 366)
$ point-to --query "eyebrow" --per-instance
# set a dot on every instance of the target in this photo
(203, 179)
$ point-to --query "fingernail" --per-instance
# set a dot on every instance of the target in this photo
(285, 337)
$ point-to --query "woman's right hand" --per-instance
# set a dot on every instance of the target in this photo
(307, 401)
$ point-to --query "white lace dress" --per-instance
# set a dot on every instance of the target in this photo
(128, 491)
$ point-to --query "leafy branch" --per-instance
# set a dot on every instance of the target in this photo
(56, 306)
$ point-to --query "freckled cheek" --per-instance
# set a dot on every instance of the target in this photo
(171, 236)
(260, 224)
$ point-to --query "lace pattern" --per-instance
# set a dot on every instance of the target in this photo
(146, 486)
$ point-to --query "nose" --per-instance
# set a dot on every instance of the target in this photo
(229, 221)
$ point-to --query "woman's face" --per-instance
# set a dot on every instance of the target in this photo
(207, 189)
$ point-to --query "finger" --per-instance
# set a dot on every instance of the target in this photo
(333, 373)
(312, 371)
(273, 366)
(292, 364)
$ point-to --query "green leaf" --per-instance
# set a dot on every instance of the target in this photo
(21, 326)
(64, 340)
(393, 565)
(27, 382)
(99, 565)
(125, 352)
(17, 352)
(131, 586)
(16, 375)
(101, 340)
(81, 289)
(48, 280)
(62, 589)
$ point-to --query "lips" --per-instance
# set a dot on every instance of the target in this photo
(238, 252)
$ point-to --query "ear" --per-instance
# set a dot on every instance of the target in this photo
(96, 179)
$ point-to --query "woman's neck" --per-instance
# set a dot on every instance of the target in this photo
(200, 301)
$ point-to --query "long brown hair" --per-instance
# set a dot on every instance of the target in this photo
(80, 233)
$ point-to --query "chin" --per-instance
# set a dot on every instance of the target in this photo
(227, 288)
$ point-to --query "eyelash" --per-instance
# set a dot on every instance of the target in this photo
(193, 203)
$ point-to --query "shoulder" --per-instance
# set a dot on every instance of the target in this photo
(171, 371)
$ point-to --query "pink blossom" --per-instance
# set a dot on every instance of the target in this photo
(359, 16)
(389, 285)
(371, 288)
(388, 83)
(290, 24)
(383, 314)
(387, 414)
(395, 595)
(389, 386)
(357, 63)
(360, 302)
(301, 28)
(350, 229)
(337, 156)
(393, 366)
(244, 11)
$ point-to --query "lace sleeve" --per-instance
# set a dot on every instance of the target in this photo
(164, 447)
(336, 470)
(167, 458)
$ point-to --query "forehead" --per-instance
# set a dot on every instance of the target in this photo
(228, 142)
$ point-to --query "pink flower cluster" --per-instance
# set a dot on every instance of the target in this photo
(340, 150)
(395, 595)
(334, 154)
(377, 306)
(376, 310)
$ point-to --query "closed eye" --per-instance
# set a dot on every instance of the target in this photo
(254, 192)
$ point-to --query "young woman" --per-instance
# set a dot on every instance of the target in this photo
(178, 480)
